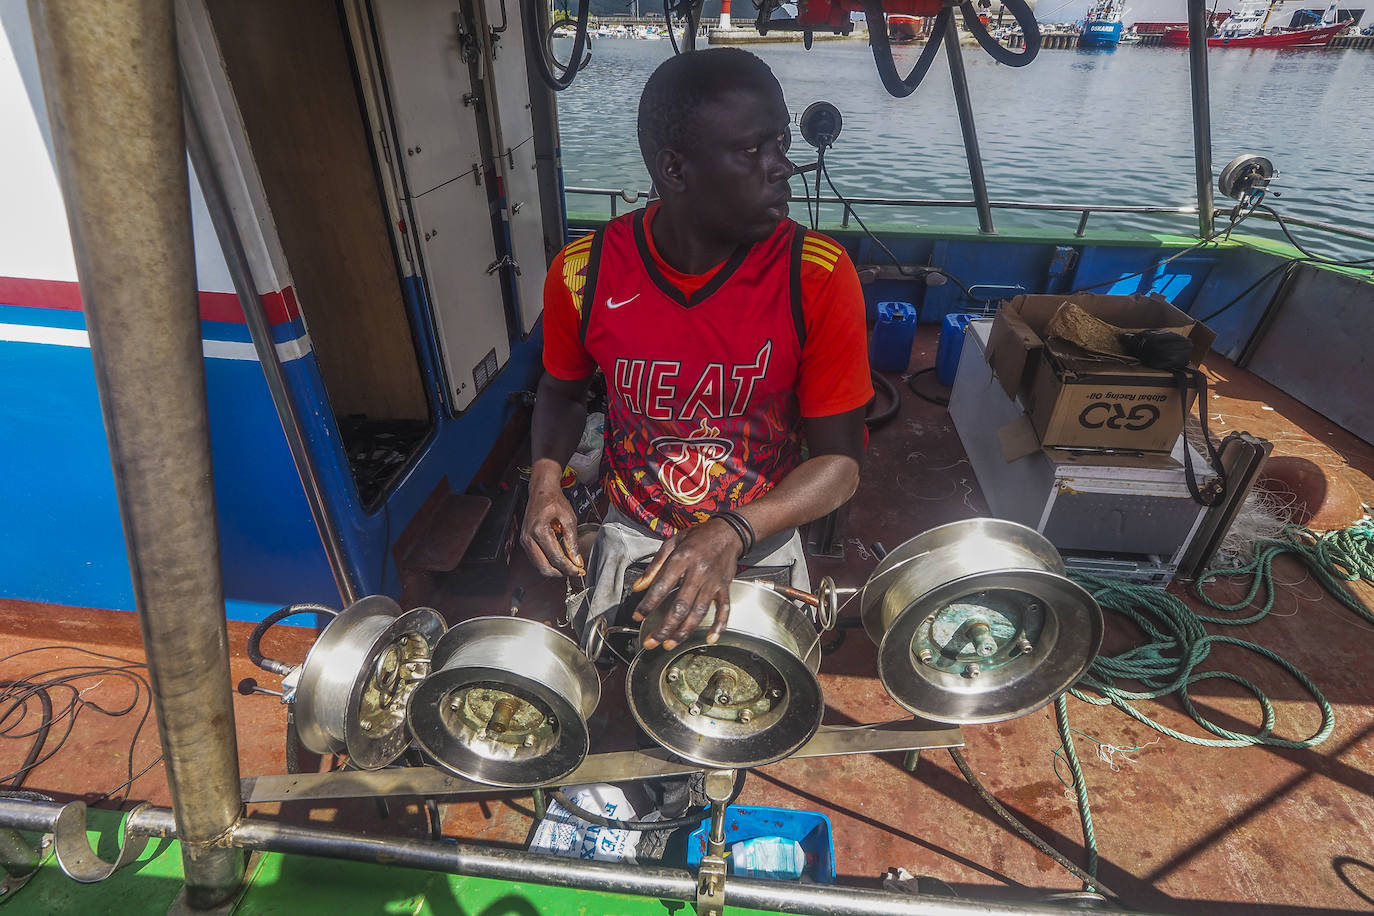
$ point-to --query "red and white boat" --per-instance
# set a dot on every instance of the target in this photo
(904, 28)
(1250, 29)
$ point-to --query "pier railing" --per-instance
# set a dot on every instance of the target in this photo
(1084, 211)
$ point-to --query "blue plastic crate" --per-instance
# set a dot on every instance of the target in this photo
(890, 348)
(951, 345)
(748, 822)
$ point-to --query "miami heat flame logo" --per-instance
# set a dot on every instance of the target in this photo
(685, 470)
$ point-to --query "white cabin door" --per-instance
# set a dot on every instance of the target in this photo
(513, 129)
(440, 158)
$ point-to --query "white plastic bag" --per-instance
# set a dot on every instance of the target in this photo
(562, 834)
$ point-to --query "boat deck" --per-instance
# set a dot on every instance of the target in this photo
(1180, 828)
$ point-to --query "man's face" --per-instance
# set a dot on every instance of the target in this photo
(736, 173)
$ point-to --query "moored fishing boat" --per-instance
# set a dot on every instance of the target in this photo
(1250, 29)
(904, 28)
(1101, 27)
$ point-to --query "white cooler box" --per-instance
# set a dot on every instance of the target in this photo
(1124, 516)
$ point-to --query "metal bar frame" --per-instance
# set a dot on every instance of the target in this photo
(959, 78)
(122, 164)
(347, 577)
(1202, 115)
(611, 766)
(68, 823)
(1084, 210)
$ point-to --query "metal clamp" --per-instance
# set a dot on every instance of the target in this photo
(719, 786)
(74, 853)
(828, 605)
(711, 886)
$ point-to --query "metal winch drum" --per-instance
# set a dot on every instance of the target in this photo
(749, 699)
(976, 622)
(357, 677)
(506, 703)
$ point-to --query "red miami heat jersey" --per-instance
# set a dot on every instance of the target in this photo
(703, 409)
(710, 387)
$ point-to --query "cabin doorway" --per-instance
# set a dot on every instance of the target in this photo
(292, 75)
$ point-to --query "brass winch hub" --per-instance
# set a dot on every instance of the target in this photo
(977, 621)
(724, 683)
(979, 633)
(749, 699)
(496, 722)
(358, 677)
(400, 667)
(506, 703)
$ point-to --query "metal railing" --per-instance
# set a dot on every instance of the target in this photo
(1084, 211)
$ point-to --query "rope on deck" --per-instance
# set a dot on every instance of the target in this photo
(1177, 644)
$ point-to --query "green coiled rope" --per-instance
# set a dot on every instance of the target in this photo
(1178, 643)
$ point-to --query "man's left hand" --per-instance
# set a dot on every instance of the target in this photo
(704, 559)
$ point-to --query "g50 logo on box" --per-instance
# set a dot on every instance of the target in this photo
(1114, 416)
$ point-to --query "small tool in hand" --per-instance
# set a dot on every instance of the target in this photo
(559, 533)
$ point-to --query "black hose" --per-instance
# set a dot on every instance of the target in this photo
(255, 638)
(689, 32)
(1021, 829)
(1025, 18)
(894, 401)
(897, 85)
(583, 814)
(911, 386)
(543, 54)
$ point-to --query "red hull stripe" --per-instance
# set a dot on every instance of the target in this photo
(280, 307)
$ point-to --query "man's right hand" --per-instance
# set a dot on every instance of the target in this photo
(549, 534)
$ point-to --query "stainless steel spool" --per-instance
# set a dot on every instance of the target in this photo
(506, 703)
(976, 622)
(356, 679)
(750, 699)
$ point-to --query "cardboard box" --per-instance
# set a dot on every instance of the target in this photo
(1081, 401)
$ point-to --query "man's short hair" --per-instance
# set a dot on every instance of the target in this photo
(682, 85)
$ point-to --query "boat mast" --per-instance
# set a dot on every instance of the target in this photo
(1264, 23)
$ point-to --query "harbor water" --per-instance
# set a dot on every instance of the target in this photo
(1084, 127)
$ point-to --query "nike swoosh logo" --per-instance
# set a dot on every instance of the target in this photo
(612, 304)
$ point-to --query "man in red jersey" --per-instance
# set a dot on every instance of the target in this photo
(730, 338)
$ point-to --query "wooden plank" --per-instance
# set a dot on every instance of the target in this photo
(292, 76)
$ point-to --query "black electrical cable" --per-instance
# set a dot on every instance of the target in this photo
(1240, 216)
(40, 735)
(811, 217)
(583, 814)
(915, 273)
(911, 386)
(255, 638)
(15, 696)
(1325, 259)
(435, 819)
(1021, 829)
(1286, 265)
(894, 402)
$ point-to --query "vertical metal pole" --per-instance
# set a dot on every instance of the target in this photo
(961, 98)
(1202, 113)
(114, 100)
(348, 578)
